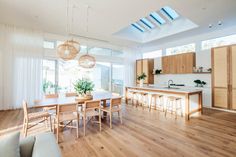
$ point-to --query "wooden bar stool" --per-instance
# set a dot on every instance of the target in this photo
(132, 97)
(174, 105)
(143, 101)
(157, 100)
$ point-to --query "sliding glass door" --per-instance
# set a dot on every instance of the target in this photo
(117, 85)
(49, 76)
(59, 76)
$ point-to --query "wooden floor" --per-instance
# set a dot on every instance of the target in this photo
(146, 134)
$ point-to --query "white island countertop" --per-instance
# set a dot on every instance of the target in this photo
(176, 89)
(184, 91)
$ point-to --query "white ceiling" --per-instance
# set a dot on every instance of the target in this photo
(107, 17)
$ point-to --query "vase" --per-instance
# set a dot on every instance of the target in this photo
(141, 83)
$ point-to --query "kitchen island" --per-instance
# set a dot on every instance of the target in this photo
(182, 92)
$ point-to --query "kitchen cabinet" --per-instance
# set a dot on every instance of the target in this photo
(224, 77)
(145, 66)
(179, 64)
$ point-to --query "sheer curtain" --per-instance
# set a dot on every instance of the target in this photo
(21, 53)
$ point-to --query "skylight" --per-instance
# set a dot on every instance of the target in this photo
(171, 13)
(147, 23)
(138, 27)
(157, 18)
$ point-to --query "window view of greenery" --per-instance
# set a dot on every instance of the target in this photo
(69, 72)
(49, 79)
(117, 78)
(208, 44)
(181, 49)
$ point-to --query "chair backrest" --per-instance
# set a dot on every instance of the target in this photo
(116, 101)
(71, 94)
(67, 108)
(93, 104)
(51, 96)
(25, 109)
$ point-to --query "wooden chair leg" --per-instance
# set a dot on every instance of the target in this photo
(84, 121)
(120, 115)
(100, 122)
(26, 129)
(77, 128)
(57, 132)
(110, 119)
(50, 118)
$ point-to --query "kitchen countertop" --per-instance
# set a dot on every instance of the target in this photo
(184, 90)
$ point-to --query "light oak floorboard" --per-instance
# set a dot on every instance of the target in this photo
(143, 133)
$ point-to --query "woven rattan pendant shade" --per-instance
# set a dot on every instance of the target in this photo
(67, 51)
(87, 61)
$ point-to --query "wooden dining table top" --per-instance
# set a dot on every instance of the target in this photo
(47, 102)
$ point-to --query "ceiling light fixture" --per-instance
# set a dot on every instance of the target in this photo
(70, 48)
(87, 61)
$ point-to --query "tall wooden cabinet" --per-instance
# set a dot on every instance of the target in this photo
(145, 66)
(224, 77)
(179, 64)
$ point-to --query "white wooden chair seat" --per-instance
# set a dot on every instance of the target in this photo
(38, 115)
(67, 117)
(91, 113)
(107, 109)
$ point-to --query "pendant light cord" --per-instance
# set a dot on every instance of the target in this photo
(87, 24)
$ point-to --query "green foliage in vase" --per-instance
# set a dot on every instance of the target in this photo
(142, 77)
(82, 86)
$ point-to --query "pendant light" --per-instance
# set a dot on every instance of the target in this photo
(87, 61)
(70, 48)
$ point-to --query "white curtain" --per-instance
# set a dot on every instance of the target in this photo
(21, 53)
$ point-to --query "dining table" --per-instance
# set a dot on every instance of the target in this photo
(62, 100)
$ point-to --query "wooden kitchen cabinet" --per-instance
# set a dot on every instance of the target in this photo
(224, 77)
(145, 66)
(179, 64)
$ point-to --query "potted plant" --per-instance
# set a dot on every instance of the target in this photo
(141, 79)
(84, 88)
(198, 82)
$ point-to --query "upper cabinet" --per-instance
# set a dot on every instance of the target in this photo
(179, 64)
(145, 66)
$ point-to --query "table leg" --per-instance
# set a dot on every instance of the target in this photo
(187, 107)
(200, 102)
(104, 105)
(126, 95)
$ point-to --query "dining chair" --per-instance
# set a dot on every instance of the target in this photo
(90, 110)
(51, 96)
(66, 114)
(71, 94)
(34, 118)
(51, 110)
(115, 106)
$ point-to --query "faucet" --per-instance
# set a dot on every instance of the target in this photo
(169, 83)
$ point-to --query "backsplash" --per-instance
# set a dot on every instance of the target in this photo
(186, 79)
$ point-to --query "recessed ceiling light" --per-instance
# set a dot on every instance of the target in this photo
(219, 23)
(210, 25)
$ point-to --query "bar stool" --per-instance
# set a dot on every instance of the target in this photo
(134, 97)
(173, 105)
(158, 101)
(143, 101)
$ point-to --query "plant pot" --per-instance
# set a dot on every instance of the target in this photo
(141, 83)
(83, 97)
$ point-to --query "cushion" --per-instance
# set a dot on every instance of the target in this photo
(46, 146)
(9, 145)
(26, 146)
